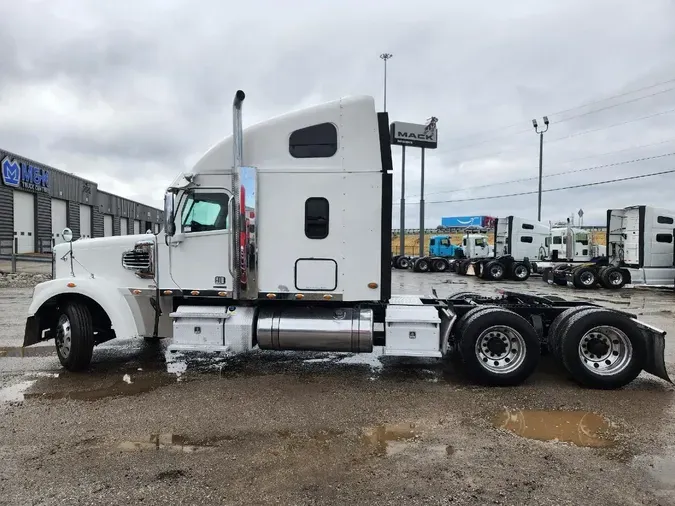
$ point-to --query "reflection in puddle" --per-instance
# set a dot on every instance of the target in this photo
(577, 427)
(389, 439)
(170, 442)
(122, 387)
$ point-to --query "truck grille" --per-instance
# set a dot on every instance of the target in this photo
(136, 260)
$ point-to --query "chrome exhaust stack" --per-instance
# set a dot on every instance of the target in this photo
(236, 218)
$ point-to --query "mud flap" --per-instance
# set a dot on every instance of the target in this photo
(656, 347)
(32, 332)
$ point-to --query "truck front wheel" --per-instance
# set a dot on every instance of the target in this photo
(74, 336)
(498, 346)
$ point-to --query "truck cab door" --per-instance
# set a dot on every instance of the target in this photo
(201, 249)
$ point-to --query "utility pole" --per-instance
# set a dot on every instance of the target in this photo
(402, 224)
(541, 157)
(385, 57)
(422, 208)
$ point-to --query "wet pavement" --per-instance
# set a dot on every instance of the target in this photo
(145, 426)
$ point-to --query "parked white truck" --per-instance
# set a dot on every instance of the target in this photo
(518, 242)
(640, 251)
(319, 184)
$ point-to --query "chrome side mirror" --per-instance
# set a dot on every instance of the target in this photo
(67, 234)
(169, 223)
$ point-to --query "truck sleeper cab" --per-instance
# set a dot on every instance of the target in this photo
(316, 182)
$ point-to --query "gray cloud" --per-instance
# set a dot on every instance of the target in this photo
(135, 92)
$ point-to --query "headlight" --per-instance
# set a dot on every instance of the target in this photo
(141, 259)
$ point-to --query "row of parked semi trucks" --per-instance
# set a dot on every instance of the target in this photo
(639, 250)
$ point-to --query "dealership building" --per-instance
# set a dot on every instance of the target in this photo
(37, 202)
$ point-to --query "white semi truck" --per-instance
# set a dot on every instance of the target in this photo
(313, 273)
(640, 251)
(518, 242)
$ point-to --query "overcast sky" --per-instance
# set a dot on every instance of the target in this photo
(130, 93)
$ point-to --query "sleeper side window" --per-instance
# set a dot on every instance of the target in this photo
(316, 218)
(316, 141)
(526, 238)
(204, 211)
(664, 238)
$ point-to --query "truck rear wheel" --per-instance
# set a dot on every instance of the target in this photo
(439, 265)
(402, 262)
(520, 271)
(553, 341)
(498, 347)
(74, 336)
(421, 265)
(585, 277)
(494, 271)
(612, 278)
(601, 348)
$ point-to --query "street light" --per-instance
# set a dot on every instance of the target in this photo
(385, 57)
(541, 155)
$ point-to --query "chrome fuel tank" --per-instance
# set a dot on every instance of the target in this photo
(315, 329)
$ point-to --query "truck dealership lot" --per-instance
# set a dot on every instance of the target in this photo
(328, 428)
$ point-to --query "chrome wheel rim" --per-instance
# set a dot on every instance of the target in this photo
(63, 336)
(520, 271)
(496, 271)
(605, 350)
(500, 349)
(423, 266)
(587, 278)
(615, 278)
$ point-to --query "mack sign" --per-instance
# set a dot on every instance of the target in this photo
(415, 135)
(19, 174)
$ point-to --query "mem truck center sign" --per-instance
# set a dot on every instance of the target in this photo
(415, 135)
(19, 174)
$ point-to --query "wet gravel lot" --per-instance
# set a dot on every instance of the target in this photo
(147, 427)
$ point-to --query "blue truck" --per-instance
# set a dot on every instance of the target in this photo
(442, 253)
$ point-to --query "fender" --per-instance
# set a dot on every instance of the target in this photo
(108, 296)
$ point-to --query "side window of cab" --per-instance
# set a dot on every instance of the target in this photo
(205, 211)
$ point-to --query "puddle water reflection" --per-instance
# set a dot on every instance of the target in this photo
(580, 428)
(125, 386)
(168, 441)
(390, 438)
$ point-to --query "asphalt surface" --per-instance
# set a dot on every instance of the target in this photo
(144, 426)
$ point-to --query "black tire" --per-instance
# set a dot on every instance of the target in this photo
(462, 267)
(520, 271)
(421, 265)
(74, 336)
(514, 336)
(403, 262)
(440, 265)
(585, 277)
(494, 271)
(553, 341)
(612, 278)
(394, 261)
(453, 266)
(578, 328)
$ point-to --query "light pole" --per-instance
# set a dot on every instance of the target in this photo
(541, 155)
(385, 57)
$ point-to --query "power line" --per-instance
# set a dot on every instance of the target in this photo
(574, 171)
(584, 132)
(597, 183)
(619, 95)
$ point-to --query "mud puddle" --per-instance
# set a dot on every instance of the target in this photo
(165, 441)
(579, 428)
(126, 386)
(388, 439)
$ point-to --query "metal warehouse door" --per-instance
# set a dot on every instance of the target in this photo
(137, 227)
(24, 221)
(124, 226)
(59, 219)
(85, 221)
(107, 225)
